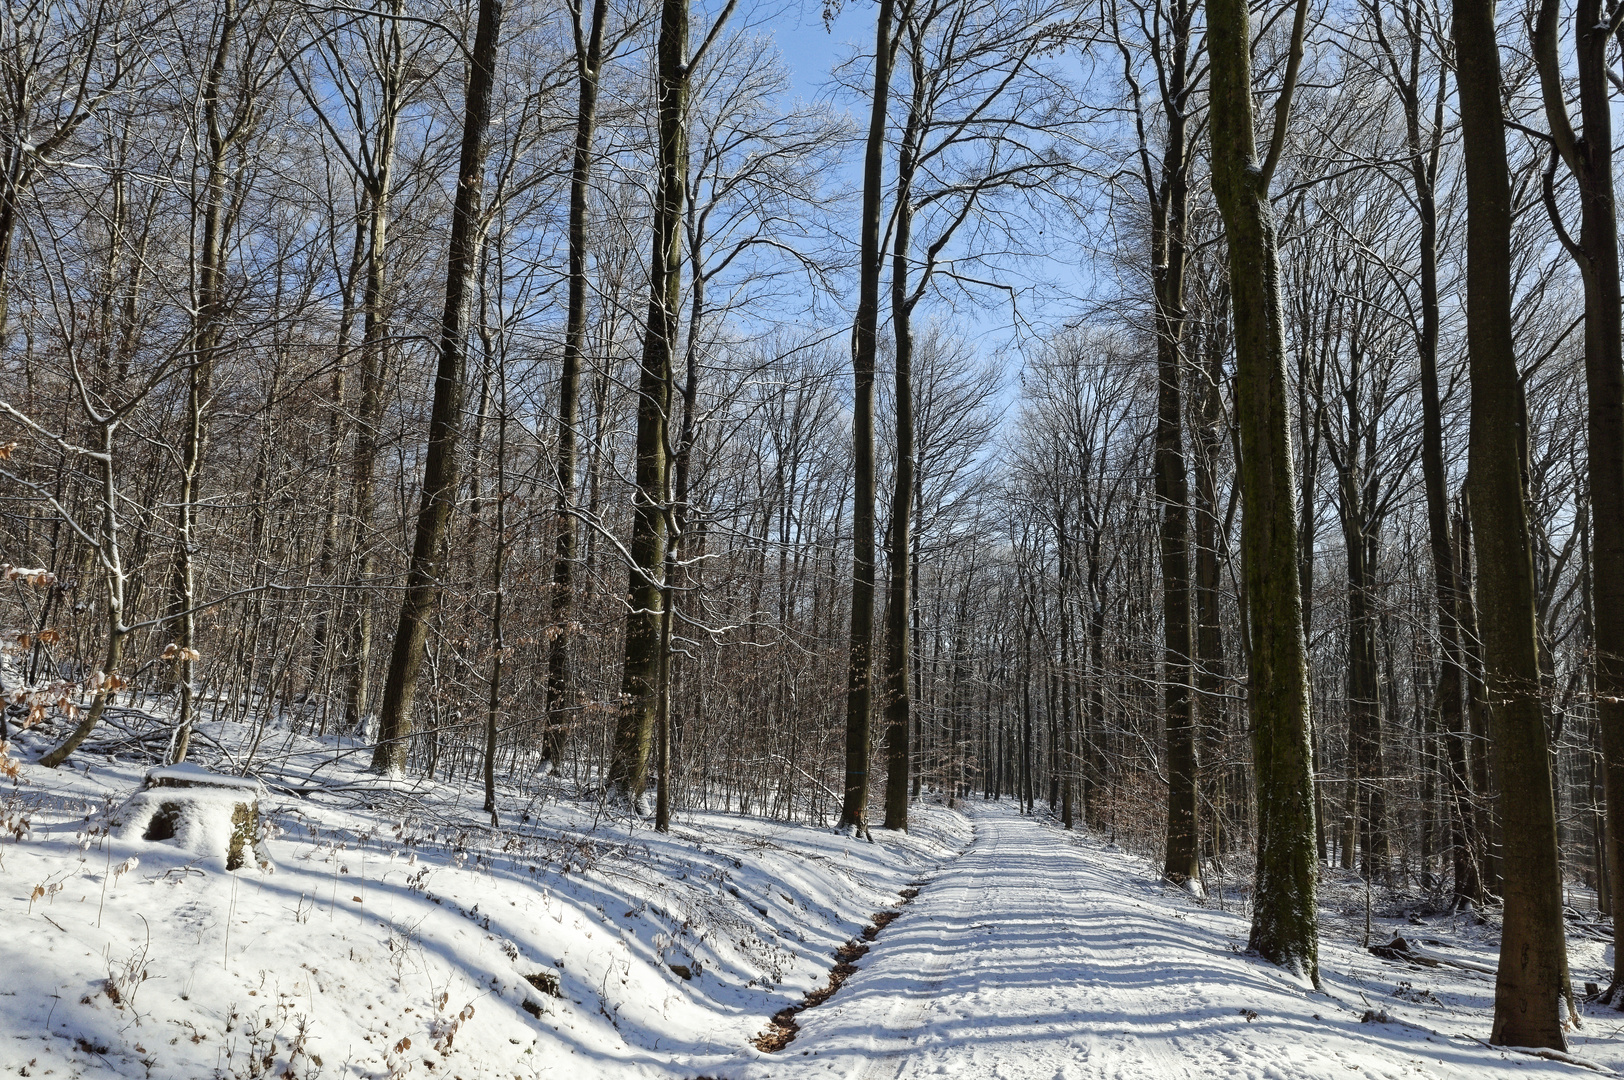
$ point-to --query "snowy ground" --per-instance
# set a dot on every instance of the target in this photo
(398, 935)
(1041, 955)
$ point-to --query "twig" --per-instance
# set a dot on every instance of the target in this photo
(1548, 1055)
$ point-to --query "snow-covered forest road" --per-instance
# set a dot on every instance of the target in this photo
(392, 935)
(1043, 955)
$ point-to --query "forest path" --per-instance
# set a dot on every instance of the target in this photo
(1050, 956)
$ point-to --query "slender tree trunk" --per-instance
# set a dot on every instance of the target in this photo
(111, 558)
(1067, 750)
(915, 659)
(499, 599)
(1286, 915)
(13, 179)
(337, 429)
(1092, 722)
(1451, 717)
(1589, 157)
(560, 682)
(1168, 255)
(1028, 787)
(640, 680)
(440, 467)
(1477, 712)
(1449, 693)
(205, 339)
(1211, 670)
(865, 336)
(1533, 967)
(662, 794)
(1363, 681)
(899, 601)
(368, 419)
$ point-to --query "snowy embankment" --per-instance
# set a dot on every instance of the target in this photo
(396, 934)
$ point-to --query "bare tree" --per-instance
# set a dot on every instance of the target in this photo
(440, 483)
(1285, 918)
(1587, 154)
(646, 626)
(1533, 973)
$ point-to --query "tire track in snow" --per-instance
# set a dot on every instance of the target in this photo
(907, 1017)
(1039, 956)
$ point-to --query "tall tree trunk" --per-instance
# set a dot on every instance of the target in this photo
(1477, 711)
(337, 428)
(1066, 751)
(915, 658)
(1093, 721)
(640, 678)
(1211, 669)
(1589, 157)
(899, 601)
(369, 417)
(219, 138)
(1285, 917)
(440, 483)
(865, 337)
(1450, 689)
(1168, 256)
(560, 682)
(1363, 675)
(1533, 969)
(499, 598)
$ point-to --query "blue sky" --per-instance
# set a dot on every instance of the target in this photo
(810, 51)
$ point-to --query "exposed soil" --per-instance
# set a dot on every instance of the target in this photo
(783, 1027)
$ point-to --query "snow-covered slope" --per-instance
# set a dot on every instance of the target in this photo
(396, 934)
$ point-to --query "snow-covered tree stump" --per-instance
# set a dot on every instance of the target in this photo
(203, 812)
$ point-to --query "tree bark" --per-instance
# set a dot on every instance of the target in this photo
(560, 681)
(865, 337)
(378, 179)
(640, 677)
(1448, 694)
(1169, 211)
(899, 600)
(1468, 882)
(499, 599)
(1588, 155)
(1285, 916)
(440, 467)
(1532, 975)
(1211, 669)
(1359, 544)
(219, 138)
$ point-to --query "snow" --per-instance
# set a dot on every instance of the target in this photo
(395, 934)
(199, 820)
(1042, 955)
(186, 773)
